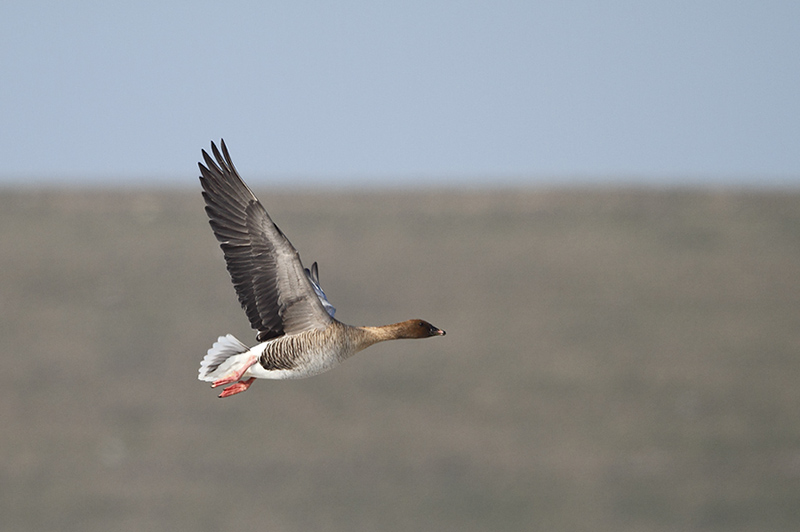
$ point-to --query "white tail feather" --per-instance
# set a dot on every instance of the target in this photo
(213, 364)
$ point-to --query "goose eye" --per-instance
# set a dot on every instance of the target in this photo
(421, 324)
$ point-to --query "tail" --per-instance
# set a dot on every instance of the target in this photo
(213, 364)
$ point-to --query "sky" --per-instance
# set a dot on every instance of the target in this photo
(408, 93)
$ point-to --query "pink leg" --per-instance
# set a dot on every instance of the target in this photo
(235, 375)
(239, 387)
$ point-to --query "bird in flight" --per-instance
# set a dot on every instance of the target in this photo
(298, 335)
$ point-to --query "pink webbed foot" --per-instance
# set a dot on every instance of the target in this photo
(235, 375)
(239, 387)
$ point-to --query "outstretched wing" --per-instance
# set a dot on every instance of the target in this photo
(265, 268)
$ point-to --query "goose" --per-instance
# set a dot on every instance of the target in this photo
(298, 335)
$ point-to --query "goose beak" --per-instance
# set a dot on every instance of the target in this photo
(439, 332)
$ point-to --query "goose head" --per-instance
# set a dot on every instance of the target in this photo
(418, 329)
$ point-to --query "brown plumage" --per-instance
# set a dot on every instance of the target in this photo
(297, 333)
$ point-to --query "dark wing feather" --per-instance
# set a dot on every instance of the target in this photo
(265, 268)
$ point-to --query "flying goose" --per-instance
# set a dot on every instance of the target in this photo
(297, 333)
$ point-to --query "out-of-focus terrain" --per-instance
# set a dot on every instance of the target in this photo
(615, 360)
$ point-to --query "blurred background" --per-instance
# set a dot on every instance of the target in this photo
(598, 203)
(356, 92)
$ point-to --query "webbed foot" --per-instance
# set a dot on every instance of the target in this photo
(239, 387)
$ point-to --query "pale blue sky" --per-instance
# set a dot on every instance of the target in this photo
(402, 92)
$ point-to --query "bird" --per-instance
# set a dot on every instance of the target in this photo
(298, 335)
